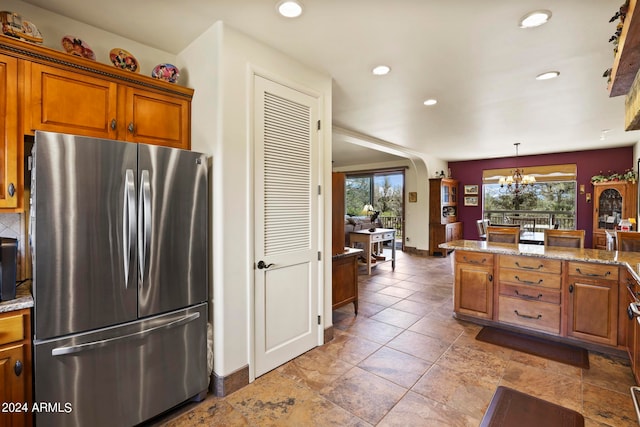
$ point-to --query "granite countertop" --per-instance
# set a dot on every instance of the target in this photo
(24, 299)
(629, 259)
(348, 252)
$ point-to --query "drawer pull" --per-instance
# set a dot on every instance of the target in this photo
(526, 267)
(470, 261)
(538, 317)
(528, 282)
(525, 296)
(608, 273)
(17, 368)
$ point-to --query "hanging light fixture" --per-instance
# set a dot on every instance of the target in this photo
(518, 181)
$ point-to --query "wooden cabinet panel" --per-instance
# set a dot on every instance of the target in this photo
(473, 284)
(345, 281)
(68, 102)
(536, 315)
(15, 366)
(10, 144)
(593, 310)
(153, 118)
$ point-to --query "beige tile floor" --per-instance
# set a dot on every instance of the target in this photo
(405, 361)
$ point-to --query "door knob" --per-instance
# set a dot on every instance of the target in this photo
(17, 368)
(262, 265)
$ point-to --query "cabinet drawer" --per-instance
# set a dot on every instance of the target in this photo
(531, 264)
(376, 237)
(11, 329)
(530, 293)
(593, 271)
(530, 314)
(479, 258)
(387, 236)
(530, 278)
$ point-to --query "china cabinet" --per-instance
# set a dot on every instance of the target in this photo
(443, 214)
(612, 201)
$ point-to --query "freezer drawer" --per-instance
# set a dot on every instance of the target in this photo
(123, 375)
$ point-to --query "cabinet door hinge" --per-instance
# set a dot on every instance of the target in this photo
(319, 320)
(319, 255)
(318, 124)
(319, 190)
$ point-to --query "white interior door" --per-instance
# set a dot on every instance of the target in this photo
(286, 224)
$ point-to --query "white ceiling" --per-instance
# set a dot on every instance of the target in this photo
(469, 54)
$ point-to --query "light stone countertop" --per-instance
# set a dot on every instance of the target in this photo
(24, 299)
(629, 259)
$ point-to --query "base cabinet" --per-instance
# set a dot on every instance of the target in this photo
(15, 368)
(473, 285)
(443, 233)
(592, 310)
(345, 280)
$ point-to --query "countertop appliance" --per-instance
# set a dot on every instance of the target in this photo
(119, 244)
(8, 267)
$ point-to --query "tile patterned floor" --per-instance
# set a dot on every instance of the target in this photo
(405, 361)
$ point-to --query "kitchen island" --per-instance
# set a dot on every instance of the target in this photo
(583, 297)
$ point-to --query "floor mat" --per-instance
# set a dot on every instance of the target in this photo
(510, 407)
(559, 352)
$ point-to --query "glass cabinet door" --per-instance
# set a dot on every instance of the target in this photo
(609, 209)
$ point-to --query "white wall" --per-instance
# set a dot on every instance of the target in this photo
(53, 27)
(222, 62)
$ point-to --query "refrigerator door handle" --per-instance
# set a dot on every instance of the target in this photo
(144, 219)
(62, 351)
(128, 224)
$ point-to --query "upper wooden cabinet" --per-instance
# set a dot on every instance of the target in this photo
(65, 101)
(157, 119)
(10, 144)
(50, 90)
(612, 201)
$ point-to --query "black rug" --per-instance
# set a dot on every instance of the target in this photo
(552, 350)
(509, 408)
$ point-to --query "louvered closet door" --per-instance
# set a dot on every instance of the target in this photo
(286, 224)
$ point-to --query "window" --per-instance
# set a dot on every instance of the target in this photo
(549, 203)
(384, 190)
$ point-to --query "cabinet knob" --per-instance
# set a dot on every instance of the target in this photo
(11, 189)
(570, 288)
(17, 368)
(113, 124)
(130, 127)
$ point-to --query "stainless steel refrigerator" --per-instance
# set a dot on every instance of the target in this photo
(119, 244)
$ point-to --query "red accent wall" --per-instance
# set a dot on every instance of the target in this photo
(589, 163)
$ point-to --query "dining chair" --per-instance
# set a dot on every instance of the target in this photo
(628, 241)
(564, 238)
(481, 228)
(503, 234)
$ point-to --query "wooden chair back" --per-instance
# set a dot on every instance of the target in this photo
(564, 238)
(628, 241)
(481, 229)
(503, 234)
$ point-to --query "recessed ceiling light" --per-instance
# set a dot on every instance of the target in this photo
(430, 102)
(289, 8)
(381, 70)
(548, 75)
(535, 18)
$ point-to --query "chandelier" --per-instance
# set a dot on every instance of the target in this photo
(517, 182)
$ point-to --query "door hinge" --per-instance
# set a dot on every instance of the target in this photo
(318, 124)
(319, 255)
(319, 190)
(319, 320)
